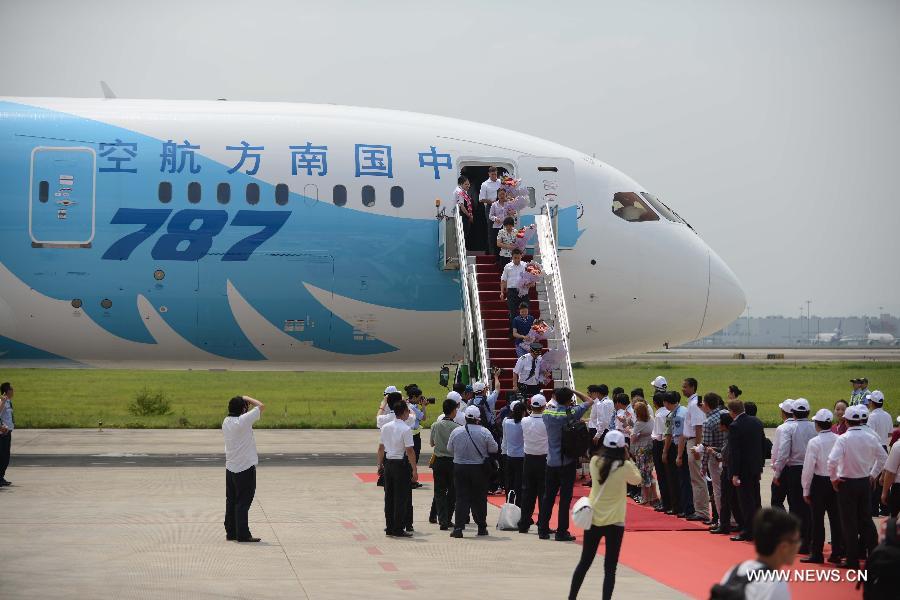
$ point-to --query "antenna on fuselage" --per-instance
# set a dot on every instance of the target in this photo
(107, 91)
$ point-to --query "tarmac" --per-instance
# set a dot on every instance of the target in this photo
(85, 519)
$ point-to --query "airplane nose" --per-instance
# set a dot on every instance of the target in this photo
(726, 299)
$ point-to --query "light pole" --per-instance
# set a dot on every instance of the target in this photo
(808, 319)
(748, 325)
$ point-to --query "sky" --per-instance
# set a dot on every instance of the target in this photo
(772, 126)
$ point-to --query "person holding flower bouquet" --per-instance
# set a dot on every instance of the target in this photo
(510, 284)
(506, 242)
(538, 333)
(464, 204)
(523, 237)
(529, 278)
(521, 330)
(498, 215)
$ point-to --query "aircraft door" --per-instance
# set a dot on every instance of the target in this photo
(553, 182)
(61, 203)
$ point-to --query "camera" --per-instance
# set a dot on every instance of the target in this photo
(429, 400)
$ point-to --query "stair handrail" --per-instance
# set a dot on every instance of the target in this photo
(555, 292)
(468, 328)
(480, 339)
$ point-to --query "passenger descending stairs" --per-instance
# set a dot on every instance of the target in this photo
(486, 325)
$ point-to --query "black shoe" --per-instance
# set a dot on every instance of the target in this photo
(803, 550)
(432, 520)
(409, 529)
(844, 564)
(720, 531)
(402, 534)
(526, 530)
(695, 517)
(741, 538)
(671, 512)
(713, 525)
(456, 533)
(416, 485)
(661, 509)
(564, 537)
(836, 559)
(446, 527)
(230, 538)
(249, 539)
(482, 531)
(815, 560)
(4, 483)
(543, 536)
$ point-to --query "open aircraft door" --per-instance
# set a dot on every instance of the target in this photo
(553, 183)
(61, 203)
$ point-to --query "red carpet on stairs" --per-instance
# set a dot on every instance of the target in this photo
(679, 554)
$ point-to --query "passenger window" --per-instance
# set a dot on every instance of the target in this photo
(223, 193)
(193, 192)
(368, 195)
(165, 192)
(281, 194)
(339, 195)
(631, 207)
(396, 196)
(252, 193)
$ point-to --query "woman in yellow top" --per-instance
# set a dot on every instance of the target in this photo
(610, 471)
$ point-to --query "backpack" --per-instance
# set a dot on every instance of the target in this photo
(734, 587)
(576, 438)
(481, 403)
(767, 448)
(883, 566)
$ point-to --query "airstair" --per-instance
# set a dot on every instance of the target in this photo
(485, 319)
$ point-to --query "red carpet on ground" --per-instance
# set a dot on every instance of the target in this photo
(679, 554)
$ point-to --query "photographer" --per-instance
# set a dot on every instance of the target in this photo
(418, 404)
(385, 412)
(240, 465)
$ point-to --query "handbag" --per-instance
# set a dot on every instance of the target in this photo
(583, 509)
(491, 466)
(510, 514)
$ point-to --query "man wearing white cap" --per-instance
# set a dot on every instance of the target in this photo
(534, 468)
(854, 464)
(779, 492)
(879, 419)
(787, 464)
(385, 412)
(818, 493)
(471, 445)
(659, 436)
(460, 417)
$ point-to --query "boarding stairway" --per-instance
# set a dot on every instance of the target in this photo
(485, 320)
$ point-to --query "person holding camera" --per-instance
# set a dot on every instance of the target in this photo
(471, 445)
(442, 464)
(240, 465)
(417, 406)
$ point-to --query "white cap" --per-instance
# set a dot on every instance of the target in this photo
(877, 397)
(824, 415)
(473, 412)
(513, 405)
(801, 404)
(659, 383)
(538, 400)
(479, 386)
(390, 390)
(454, 396)
(857, 412)
(787, 405)
(614, 439)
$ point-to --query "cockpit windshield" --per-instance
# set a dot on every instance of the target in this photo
(663, 209)
(631, 207)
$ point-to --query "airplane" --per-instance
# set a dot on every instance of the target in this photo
(247, 235)
(833, 337)
(877, 338)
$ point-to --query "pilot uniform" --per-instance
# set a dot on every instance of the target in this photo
(854, 462)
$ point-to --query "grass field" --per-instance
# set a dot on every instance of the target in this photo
(81, 398)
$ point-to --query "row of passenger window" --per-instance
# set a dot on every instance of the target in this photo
(282, 194)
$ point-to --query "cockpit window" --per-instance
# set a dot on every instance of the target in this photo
(631, 207)
(663, 209)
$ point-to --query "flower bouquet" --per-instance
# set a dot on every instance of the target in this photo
(529, 277)
(517, 194)
(524, 236)
(538, 332)
(551, 361)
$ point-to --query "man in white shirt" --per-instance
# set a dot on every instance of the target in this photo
(854, 464)
(890, 487)
(601, 412)
(534, 468)
(461, 405)
(693, 436)
(879, 419)
(659, 442)
(776, 536)
(527, 372)
(818, 493)
(509, 284)
(787, 464)
(779, 492)
(240, 466)
(397, 457)
(487, 195)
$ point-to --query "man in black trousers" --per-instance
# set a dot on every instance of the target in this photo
(745, 463)
(240, 465)
(397, 456)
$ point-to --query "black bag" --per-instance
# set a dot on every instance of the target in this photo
(883, 567)
(490, 464)
(733, 588)
(576, 438)
(767, 448)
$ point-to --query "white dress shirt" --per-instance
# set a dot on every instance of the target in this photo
(460, 417)
(856, 454)
(792, 443)
(523, 367)
(601, 414)
(489, 190)
(382, 420)
(511, 274)
(816, 460)
(776, 438)
(534, 433)
(893, 461)
(659, 424)
(881, 424)
(240, 445)
(695, 417)
(396, 437)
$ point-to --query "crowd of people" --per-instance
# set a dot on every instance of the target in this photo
(699, 458)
